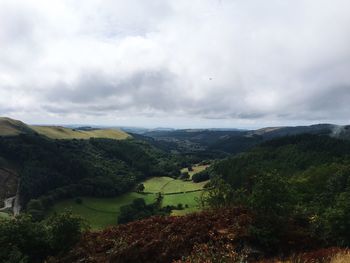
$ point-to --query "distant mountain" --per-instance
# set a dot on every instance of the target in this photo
(235, 141)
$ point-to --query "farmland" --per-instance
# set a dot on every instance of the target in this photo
(102, 212)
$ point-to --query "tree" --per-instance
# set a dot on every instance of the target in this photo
(36, 209)
(184, 176)
(65, 230)
(140, 188)
(272, 202)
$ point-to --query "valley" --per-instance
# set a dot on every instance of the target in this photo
(210, 193)
(103, 212)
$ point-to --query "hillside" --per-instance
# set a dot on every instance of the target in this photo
(57, 132)
(212, 236)
(10, 127)
(54, 169)
(303, 179)
(164, 239)
(209, 143)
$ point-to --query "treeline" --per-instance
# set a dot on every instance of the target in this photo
(23, 239)
(295, 186)
(54, 169)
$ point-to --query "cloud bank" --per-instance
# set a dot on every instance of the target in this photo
(182, 63)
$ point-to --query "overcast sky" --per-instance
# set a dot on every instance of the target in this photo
(178, 63)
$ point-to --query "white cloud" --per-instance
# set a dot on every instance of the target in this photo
(230, 63)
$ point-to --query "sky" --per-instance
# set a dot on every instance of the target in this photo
(175, 63)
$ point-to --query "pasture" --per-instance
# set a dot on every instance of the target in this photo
(57, 132)
(195, 169)
(167, 185)
(103, 212)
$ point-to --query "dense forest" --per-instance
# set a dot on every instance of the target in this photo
(50, 170)
(295, 182)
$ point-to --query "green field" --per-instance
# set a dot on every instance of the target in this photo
(102, 212)
(99, 212)
(168, 185)
(195, 169)
(57, 132)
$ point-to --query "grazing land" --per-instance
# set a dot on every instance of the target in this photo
(167, 185)
(56, 132)
(10, 127)
(102, 212)
(195, 169)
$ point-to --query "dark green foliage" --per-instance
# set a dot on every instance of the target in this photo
(184, 176)
(272, 202)
(138, 209)
(201, 176)
(54, 169)
(64, 231)
(336, 220)
(24, 240)
(36, 209)
(298, 180)
(140, 188)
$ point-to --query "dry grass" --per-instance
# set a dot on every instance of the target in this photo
(57, 132)
(10, 127)
(342, 257)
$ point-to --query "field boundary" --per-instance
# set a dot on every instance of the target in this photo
(175, 193)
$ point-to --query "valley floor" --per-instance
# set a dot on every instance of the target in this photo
(103, 212)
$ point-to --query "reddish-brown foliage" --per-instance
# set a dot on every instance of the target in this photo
(164, 239)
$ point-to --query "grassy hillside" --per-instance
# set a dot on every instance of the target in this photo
(10, 127)
(57, 132)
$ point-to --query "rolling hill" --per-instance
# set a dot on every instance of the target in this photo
(11, 127)
(58, 132)
(218, 143)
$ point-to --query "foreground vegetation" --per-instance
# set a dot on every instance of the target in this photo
(24, 240)
(293, 184)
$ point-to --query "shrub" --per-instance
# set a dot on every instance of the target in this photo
(201, 177)
(65, 230)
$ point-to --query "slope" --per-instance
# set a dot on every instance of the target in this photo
(10, 127)
(57, 132)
